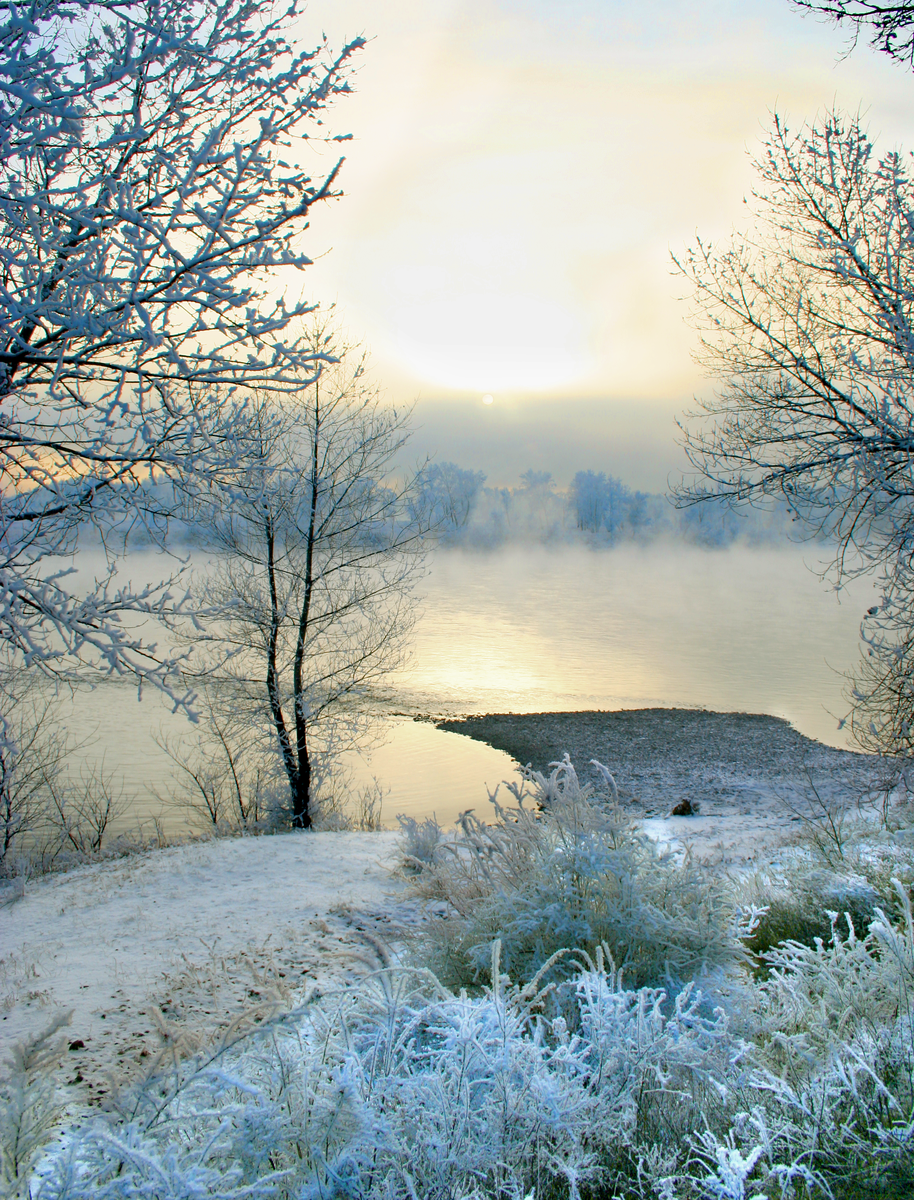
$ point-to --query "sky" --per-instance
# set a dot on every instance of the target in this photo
(521, 172)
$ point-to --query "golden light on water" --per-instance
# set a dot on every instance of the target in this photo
(739, 630)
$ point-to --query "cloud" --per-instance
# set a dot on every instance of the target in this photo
(522, 169)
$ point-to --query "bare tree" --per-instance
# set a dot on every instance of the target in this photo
(223, 779)
(80, 816)
(150, 181)
(31, 760)
(890, 26)
(444, 496)
(317, 557)
(808, 319)
(44, 810)
(882, 721)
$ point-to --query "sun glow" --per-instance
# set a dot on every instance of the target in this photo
(488, 342)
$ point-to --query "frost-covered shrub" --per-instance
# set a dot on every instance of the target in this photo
(399, 1089)
(571, 874)
(419, 843)
(404, 1089)
(796, 1083)
(797, 902)
(130, 1164)
(816, 997)
(805, 884)
(828, 1109)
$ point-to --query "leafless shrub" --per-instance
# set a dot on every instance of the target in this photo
(33, 751)
(80, 816)
(419, 844)
(339, 807)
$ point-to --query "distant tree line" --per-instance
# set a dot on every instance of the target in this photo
(596, 509)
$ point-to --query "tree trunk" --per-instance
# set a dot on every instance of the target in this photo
(301, 810)
(273, 692)
(301, 806)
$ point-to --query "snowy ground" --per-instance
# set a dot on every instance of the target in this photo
(192, 936)
(197, 933)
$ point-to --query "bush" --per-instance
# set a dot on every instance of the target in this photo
(839, 866)
(403, 1089)
(570, 874)
(568, 1082)
(829, 1109)
(798, 901)
(420, 843)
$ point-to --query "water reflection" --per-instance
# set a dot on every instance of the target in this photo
(433, 773)
(736, 630)
(527, 631)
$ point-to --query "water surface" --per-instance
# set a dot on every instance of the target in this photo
(751, 630)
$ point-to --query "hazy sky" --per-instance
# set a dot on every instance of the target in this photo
(520, 173)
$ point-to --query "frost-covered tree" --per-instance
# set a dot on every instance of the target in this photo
(445, 494)
(808, 320)
(587, 499)
(537, 481)
(151, 181)
(538, 506)
(600, 502)
(309, 598)
(714, 523)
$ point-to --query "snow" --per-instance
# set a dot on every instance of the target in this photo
(199, 932)
(189, 937)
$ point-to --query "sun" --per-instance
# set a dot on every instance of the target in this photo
(452, 332)
(487, 399)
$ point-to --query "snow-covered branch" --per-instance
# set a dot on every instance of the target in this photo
(152, 180)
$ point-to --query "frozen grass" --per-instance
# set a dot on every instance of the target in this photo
(401, 1088)
(29, 1110)
(558, 871)
(617, 1040)
(839, 863)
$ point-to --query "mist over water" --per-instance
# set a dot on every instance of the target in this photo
(739, 629)
(530, 630)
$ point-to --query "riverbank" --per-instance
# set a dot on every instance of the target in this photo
(753, 778)
(190, 937)
(185, 940)
(167, 961)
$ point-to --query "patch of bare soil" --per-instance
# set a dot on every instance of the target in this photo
(753, 779)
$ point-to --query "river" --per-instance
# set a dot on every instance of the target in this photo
(530, 630)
